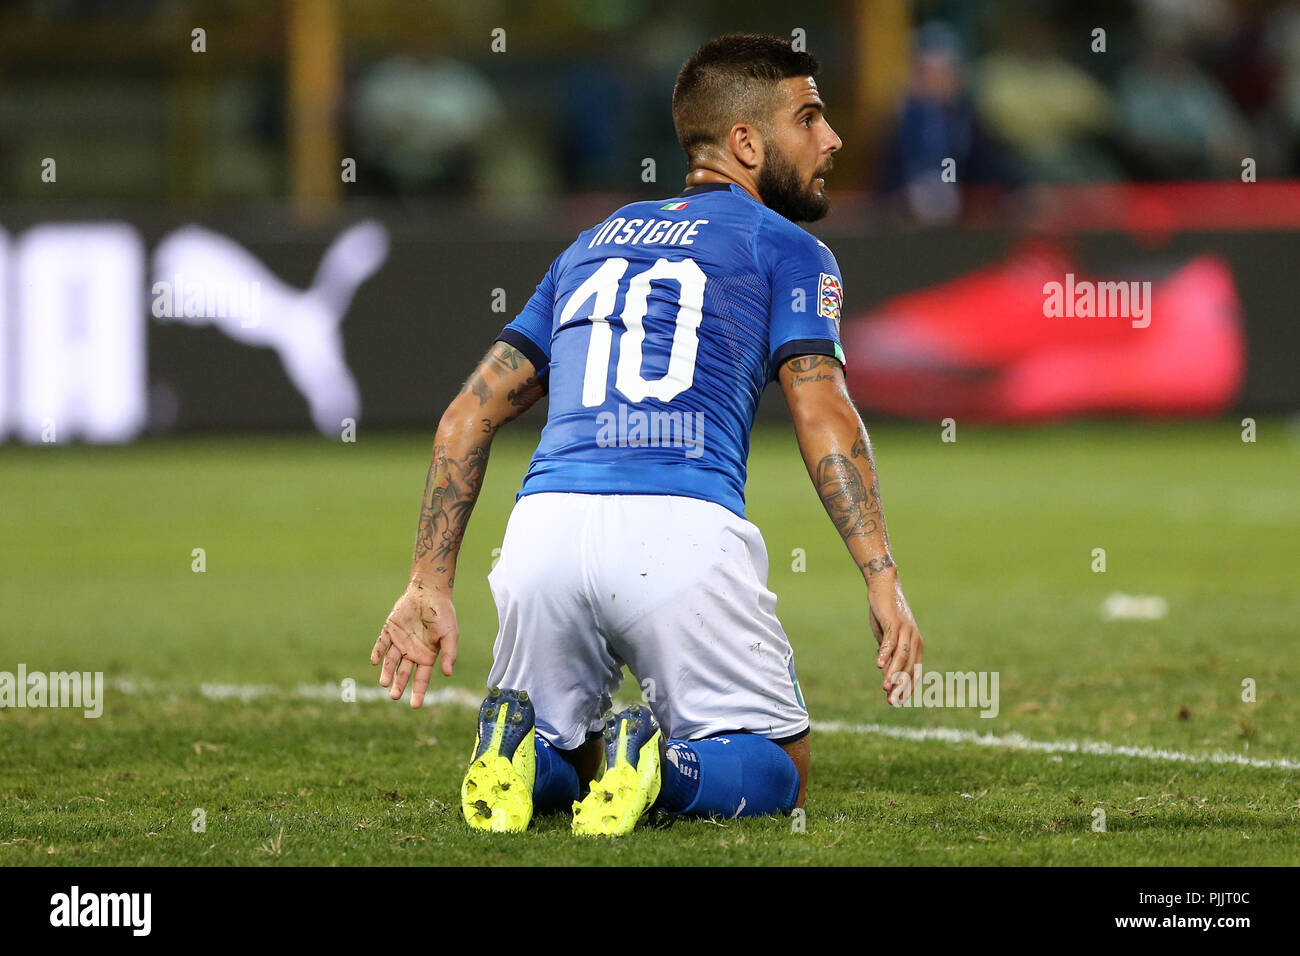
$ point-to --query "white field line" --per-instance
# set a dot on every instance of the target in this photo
(1096, 748)
(454, 696)
(463, 697)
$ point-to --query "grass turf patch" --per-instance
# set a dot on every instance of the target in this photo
(306, 545)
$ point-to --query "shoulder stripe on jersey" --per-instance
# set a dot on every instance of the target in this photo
(797, 347)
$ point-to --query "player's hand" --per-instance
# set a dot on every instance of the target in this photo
(421, 625)
(898, 636)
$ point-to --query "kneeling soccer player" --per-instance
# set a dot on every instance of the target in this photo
(655, 333)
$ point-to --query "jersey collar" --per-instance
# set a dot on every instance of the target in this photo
(703, 188)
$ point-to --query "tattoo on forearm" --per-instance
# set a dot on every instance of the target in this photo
(450, 492)
(876, 565)
(427, 533)
(853, 507)
(453, 484)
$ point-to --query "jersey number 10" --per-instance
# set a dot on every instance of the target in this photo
(603, 286)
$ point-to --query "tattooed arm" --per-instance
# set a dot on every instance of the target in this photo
(502, 388)
(837, 453)
(423, 621)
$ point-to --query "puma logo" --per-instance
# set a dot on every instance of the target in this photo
(302, 325)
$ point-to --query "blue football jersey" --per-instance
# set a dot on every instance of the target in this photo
(656, 333)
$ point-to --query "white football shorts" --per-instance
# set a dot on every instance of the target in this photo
(673, 587)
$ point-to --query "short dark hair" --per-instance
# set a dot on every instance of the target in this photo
(732, 79)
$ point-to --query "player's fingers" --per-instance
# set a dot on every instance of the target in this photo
(391, 660)
(423, 674)
(902, 652)
(906, 680)
(448, 647)
(403, 675)
(903, 688)
(392, 635)
(896, 659)
(381, 646)
(888, 640)
(908, 641)
(905, 677)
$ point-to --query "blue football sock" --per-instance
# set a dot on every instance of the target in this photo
(680, 780)
(733, 775)
(556, 785)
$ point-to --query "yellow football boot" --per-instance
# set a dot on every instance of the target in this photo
(497, 793)
(629, 783)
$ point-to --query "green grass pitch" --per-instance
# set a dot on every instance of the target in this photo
(307, 545)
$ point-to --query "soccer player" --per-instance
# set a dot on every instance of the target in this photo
(655, 332)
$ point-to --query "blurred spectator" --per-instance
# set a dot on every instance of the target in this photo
(1286, 39)
(1054, 114)
(421, 125)
(937, 125)
(1175, 120)
(1185, 21)
(1011, 91)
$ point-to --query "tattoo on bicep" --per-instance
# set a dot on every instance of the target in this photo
(806, 363)
(505, 360)
(812, 368)
(525, 394)
(807, 379)
(521, 399)
(853, 507)
(505, 356)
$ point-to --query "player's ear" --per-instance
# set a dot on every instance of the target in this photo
(746, 145)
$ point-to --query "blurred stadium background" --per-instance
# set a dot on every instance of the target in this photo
(446, 152)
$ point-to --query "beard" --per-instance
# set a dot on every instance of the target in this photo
(782, 190)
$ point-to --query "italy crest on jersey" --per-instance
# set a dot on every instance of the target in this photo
(830, 297)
